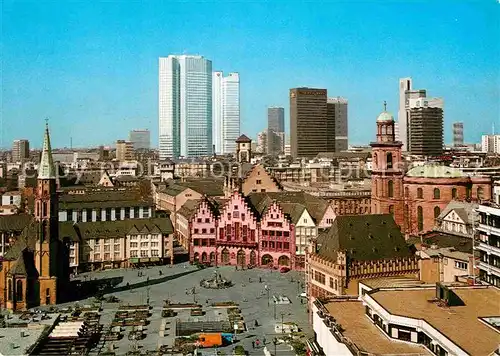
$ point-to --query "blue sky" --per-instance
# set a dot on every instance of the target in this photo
(91, 67)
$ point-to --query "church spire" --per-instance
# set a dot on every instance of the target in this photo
(46, 169)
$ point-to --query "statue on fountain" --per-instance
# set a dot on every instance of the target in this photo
(216, 282)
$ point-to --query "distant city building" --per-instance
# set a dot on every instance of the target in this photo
(490, 143)
(141, 139)
(261, 142)
(405, 94)
(458, 134)
(20, 150)
(275, 130)
(225, 111)
(243, 149)
(185, 106)
(310, 123)
(338, 108)
(426, 127)
(124, 150)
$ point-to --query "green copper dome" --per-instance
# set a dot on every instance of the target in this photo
(385, 116)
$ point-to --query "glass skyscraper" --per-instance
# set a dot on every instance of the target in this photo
(185, 106)
(226, 112)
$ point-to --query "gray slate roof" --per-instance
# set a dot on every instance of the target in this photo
(363, 237)
(314, 205)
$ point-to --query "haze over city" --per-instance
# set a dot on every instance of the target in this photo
(92, 68)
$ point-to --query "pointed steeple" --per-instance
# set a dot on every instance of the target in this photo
(46, 169)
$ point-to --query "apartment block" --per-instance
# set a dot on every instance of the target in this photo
(488, 243)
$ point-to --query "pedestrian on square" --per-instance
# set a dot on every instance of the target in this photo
(264, 341)
(260, 279)
(257, 342)
(253, 344)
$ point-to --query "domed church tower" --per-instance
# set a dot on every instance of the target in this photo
(387, 170)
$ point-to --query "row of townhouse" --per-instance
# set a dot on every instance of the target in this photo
(102, 244)
(118, 244)
(261, 229)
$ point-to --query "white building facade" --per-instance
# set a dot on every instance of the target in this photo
(185, 106)
(490, 143)
(225, 111)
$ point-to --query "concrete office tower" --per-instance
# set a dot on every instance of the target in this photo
(141, 139)
(225, 112)
(458, 134)
(426, 126)
(20, 150)
(338, 108)
(185, 106)
(308, 122)
(406, 92)
(396, 132)
(124, 150)
(275, 130)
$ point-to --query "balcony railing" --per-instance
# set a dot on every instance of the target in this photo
(237, 243)
(490, 269)
(493, 250)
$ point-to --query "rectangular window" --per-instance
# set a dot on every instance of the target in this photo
(203, 231)
(108, 214)
(236, 214)
(133, 253)
(258, 181)
(69, 214)
(145, 212)
(98, 215)
(136, 212)
(127, 213)
(89, 214)
(461, 265)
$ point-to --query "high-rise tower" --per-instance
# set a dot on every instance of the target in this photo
(225, 111)
(387, 170)
(185, 106)
(275, 131)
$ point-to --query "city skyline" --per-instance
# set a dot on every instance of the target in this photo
(86, 77)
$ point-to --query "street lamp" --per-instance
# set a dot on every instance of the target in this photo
(274, 310)
(298, 286)
(275, 342)
(268, 300)
(282, 330)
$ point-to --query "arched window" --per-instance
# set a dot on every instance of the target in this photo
(420, 193)
(480, 193)
(384, 130)
(9, 289)
(335, 284)
(420, 218)
(390, 189)
(437, 193)
(468, 192)
(407, 192)
(454, 193)
(391, 210)
(437, 211)
(19, 290)
(389, 159)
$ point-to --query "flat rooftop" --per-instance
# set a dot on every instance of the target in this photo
(12, 343)
(392, 282)
(460, 324)
(361, 331)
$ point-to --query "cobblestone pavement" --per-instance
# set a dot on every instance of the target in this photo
(176, 283)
